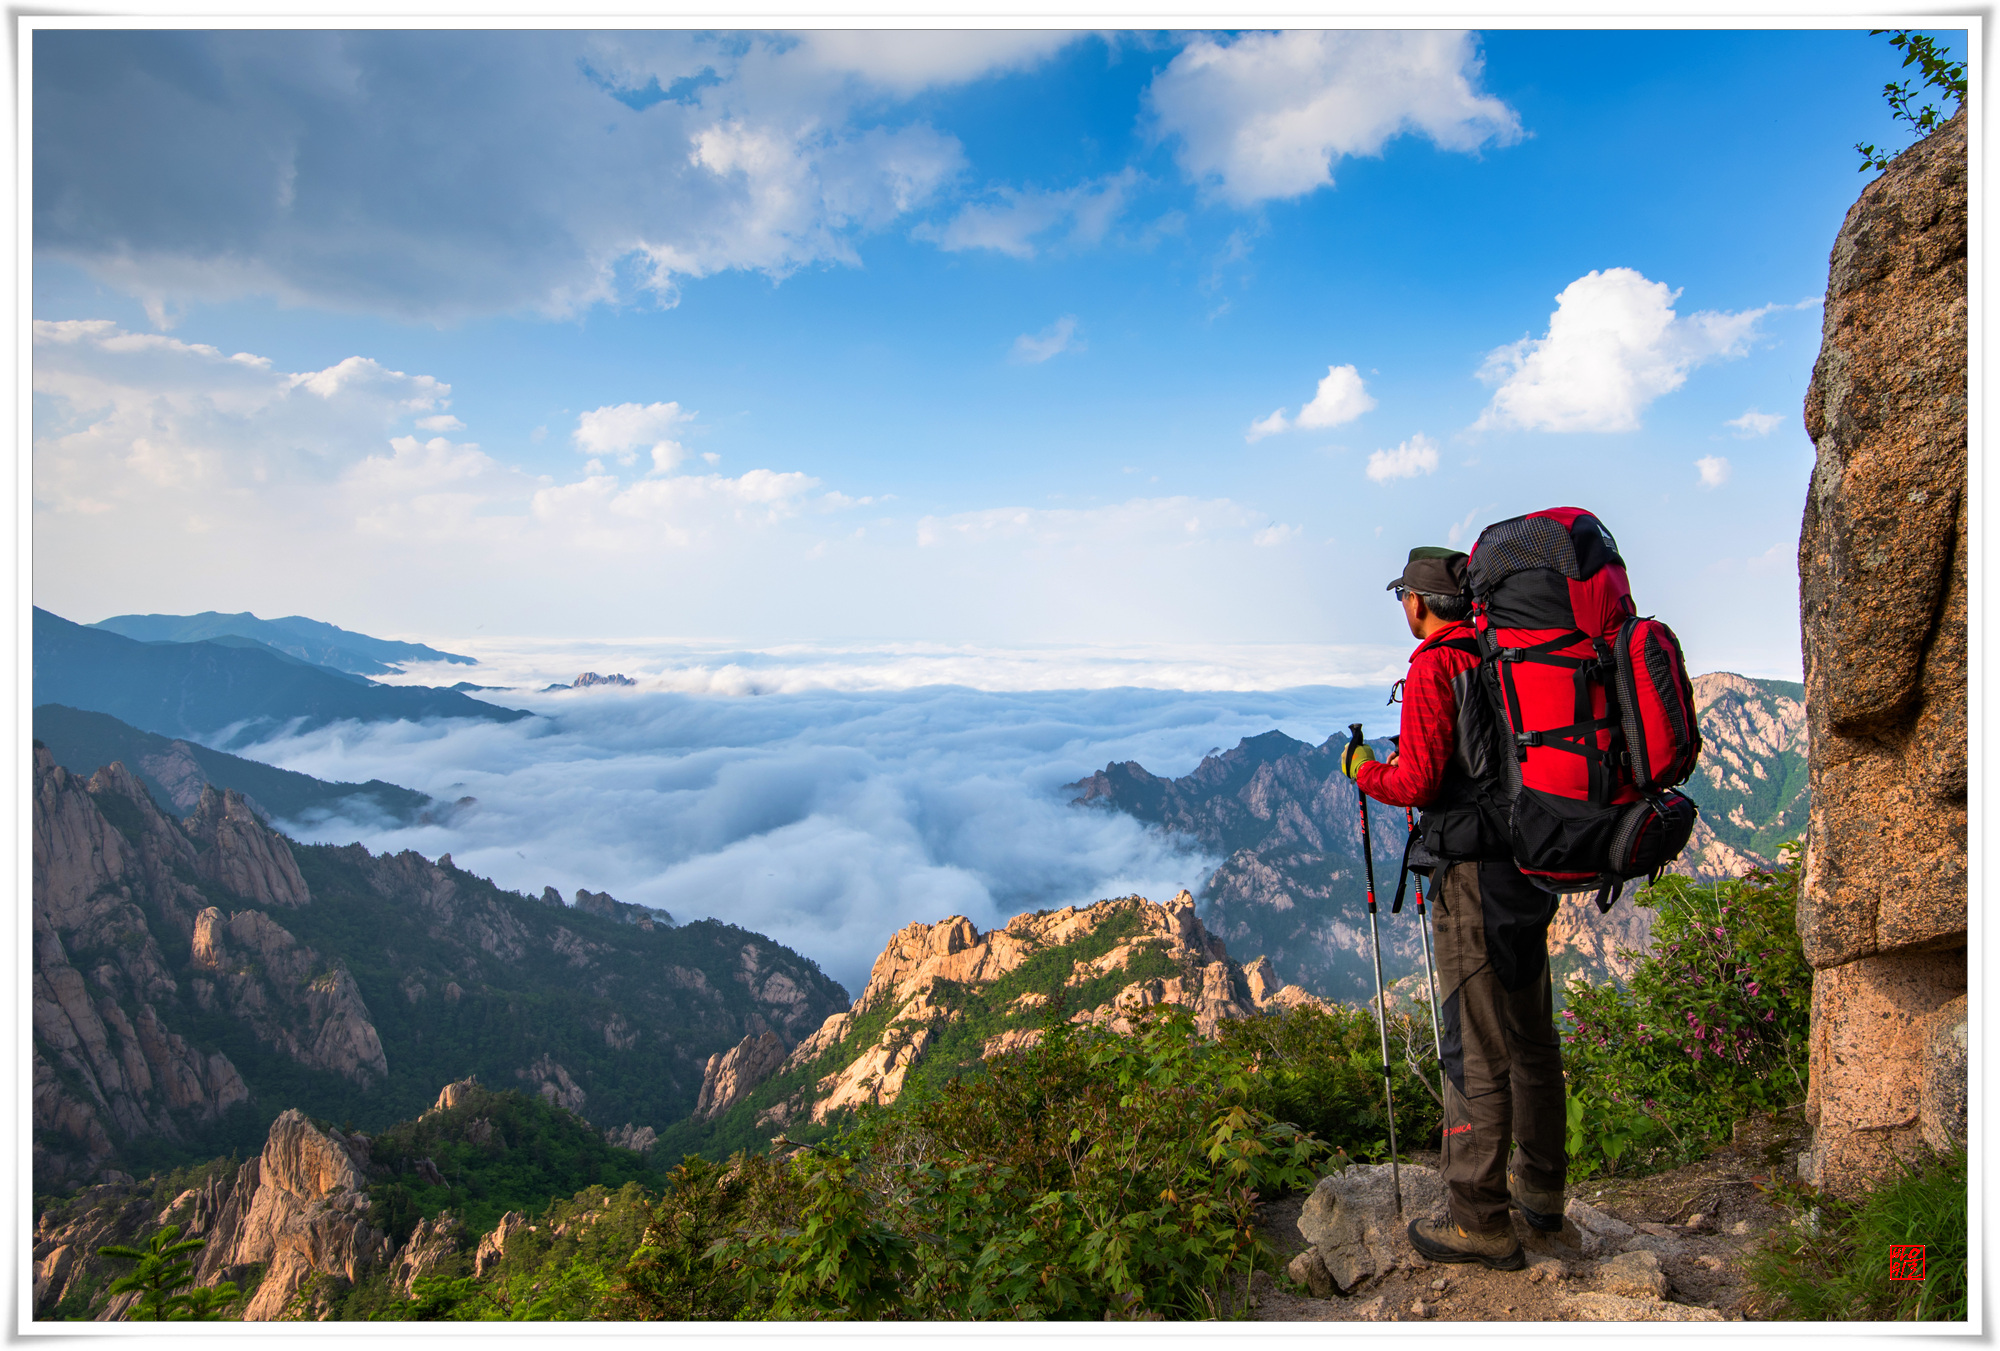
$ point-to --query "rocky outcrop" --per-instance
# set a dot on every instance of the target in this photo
(730, 1075)
(638, 1139)
(452, 1094)
(240, 855)
(553, 1083)
(293, 999)
(299, 1210)
(106, 1066)
(430, 1244)
(604, 904)
(1141, 953)
(177, 771)
(493, 1246)
(1882, 578)
(308, 1214)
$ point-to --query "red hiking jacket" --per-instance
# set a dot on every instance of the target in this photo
(1439, 683)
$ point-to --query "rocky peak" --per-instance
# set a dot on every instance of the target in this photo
(306, 1162)
(609, 907)
(553, 1082)
(241, 854)
(1133, 953)
(454, 1093)
(730, 1075)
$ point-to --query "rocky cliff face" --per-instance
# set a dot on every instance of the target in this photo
(948, 994)
(1291, 886)
(107, 1068)
(185, 967)
(297, 1209)
(1882, 577)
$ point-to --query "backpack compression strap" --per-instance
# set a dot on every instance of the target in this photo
(1580, 737)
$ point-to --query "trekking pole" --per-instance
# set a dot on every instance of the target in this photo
(1381, 1002)
(1423, 933)
(1430, 981)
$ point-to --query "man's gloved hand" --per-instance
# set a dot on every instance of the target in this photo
(1354, 757)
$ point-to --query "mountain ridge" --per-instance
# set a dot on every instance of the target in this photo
(308, 640)
(203, 688)
(192, 977)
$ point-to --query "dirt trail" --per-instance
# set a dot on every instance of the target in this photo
(1698, 1221)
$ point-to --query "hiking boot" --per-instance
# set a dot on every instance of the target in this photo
(1542, 1210)
(1450, 1242)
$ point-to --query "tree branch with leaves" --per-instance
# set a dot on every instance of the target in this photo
(1939, 72)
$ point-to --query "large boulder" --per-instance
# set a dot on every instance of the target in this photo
(1352, 1222)
(1882, 581)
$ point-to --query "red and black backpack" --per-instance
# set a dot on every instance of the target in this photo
(1592, 705)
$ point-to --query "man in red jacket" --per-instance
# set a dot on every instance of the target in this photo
(1503, 1059)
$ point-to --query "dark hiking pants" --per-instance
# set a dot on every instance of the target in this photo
(1502, 1058)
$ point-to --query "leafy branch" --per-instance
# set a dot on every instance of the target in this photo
(162, 1269)
(1939, 73)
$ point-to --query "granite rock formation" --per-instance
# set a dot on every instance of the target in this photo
(1107, 962)
(1882, 579)
(297, 1209)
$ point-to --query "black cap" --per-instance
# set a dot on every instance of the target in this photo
(1434, 571)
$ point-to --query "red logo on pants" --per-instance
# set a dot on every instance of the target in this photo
(1456, 1129)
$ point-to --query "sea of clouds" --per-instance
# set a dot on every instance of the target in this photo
(826, 797)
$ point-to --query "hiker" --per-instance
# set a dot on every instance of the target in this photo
(1502, 1057)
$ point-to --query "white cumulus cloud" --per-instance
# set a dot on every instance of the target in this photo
(1340, 398)
(1754, 423)
(1614, 344)
(1269, 426)
(1269, 114)
(1713, 469)
(1418, 455)
(1034, 348)
(622, 430)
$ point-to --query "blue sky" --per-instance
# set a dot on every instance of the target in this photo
(960, 338)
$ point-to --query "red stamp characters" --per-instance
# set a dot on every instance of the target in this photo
(1906, 1261)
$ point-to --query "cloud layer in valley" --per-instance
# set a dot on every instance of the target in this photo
(826, 819)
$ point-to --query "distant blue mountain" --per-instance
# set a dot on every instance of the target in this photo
(175, 772)
(295, 635)
(197, 689)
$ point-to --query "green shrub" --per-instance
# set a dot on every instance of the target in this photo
(1088, 1174)
(1832, 1262)
(1710, 1027)
(1321, 1070)
(496, 1152)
